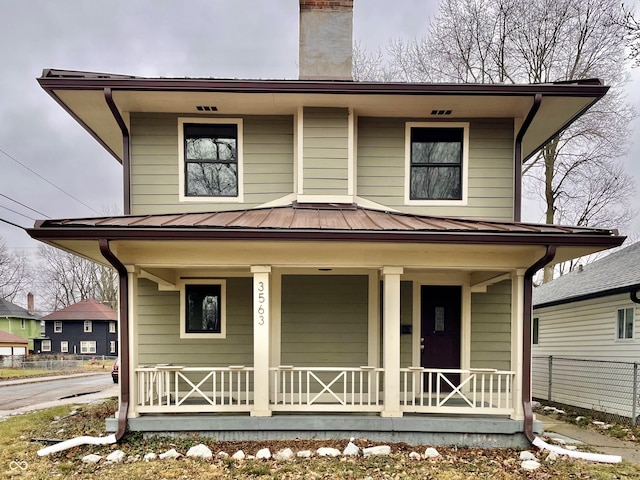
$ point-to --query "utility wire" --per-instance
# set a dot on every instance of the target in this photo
(12, 224)
(49, 182)
(25, 206)
(18, 213)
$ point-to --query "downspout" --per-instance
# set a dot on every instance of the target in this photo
(123, 288)
(526, 370)
(517, 187)
(526, 337)
(126, 151)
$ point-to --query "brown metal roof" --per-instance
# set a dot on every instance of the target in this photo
(319, 222)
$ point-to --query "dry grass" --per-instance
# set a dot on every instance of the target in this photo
(464, 463)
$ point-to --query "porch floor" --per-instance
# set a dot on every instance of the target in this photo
(461, 430)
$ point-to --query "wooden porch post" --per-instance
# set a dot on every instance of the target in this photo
(261, 340)
(391, 341)
(132, 274)
(517, 320)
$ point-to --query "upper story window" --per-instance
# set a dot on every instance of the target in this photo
(436, 163)
(210, 159)
(23, 324)
(88, 326)
(57, 326)
(625, 324)
(112, 327)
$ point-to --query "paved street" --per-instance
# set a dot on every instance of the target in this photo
(19, 396)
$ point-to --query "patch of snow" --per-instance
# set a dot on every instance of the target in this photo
(552, 457)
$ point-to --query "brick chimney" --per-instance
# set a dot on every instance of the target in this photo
(30, 308)
(326, 40)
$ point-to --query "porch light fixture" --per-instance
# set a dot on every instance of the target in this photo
(207, 108)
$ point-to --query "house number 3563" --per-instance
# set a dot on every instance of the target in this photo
(261, 300)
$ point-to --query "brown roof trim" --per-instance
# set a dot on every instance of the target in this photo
(256, 234)
(63, 79)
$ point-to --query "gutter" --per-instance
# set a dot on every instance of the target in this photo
(634, 296)
(517, 188)
(126, 151)
(123, 288)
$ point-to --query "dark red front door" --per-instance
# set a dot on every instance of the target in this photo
(440, 335)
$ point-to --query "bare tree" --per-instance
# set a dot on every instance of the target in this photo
(578, 174)
(15, 272)
(632, 27)
(66, 279)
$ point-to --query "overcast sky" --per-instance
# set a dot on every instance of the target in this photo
(197, 38)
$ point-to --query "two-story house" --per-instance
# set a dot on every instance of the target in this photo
(21, 322)
(322, 257)
(87, 327)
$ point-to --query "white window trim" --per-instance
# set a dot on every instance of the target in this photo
(223, 310)
(46, 342)
(89, 344)
(56, 324)
(633, 324)
(112, 346)
(465, 164)
(181, 196)
(64, 346)
(84, 326)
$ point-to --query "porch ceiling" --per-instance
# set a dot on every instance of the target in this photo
(322, 228)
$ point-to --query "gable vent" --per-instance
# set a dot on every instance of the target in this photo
(440, 112)
(207, 108)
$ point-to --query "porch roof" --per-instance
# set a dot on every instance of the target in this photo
(338, 222)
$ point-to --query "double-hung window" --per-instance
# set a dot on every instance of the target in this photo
(437, 163)
(57, 326)
(88, 326)
(625, 324)
(88, 347)
(211, 159)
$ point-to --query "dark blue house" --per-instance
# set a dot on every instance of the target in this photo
(84, 328)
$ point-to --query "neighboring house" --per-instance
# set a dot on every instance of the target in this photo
(322, 257)
(19, 321)
(586, 319)
(12, 345)
(84, 328)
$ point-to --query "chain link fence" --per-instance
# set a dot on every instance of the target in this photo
(607, 388)
(52, 362)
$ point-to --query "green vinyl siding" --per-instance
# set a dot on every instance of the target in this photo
(267, 163)
(324, 320)
(14, 326)
(491, 327)
(159, 329)
(381, 168)
(325, 151)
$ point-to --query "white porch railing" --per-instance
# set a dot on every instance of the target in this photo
(482, 391)
(313, 389)
(169, 388)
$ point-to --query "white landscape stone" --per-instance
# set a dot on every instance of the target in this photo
(552, 457)
(222, 455)
(560, 412)
(284, 454)
(415, 456)
(170, 454)
(431, 453)
(548, 409)
(377, 450)
(263, 454)
(115, 456)
(200, 451)
(530, 465)
(239, 455)
(304, 454)
(91, 458)
(598, 423)
(526, 455)
(150, 456)
(328, 452)
(351, 450)
(558, 441)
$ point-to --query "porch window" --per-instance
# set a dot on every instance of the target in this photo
(437, 157)
(88, 347)
(46, 345)
(210, 159)
(57, 327)
(203, 309)
(625, 324)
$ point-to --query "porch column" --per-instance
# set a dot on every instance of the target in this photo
(261, 340)
(132, 277)
(391, 341)
(517, 320)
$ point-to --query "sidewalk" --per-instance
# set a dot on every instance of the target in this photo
(575, 435)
